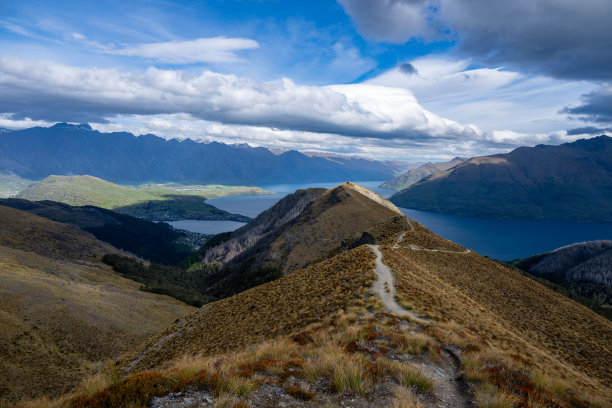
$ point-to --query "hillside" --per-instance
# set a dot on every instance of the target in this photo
(461, 333)
(157, 242)
(62, 311)
(569, 182)
(155, 203)
(415, 175)
(298, 231)
(64, 149)
(583, 268)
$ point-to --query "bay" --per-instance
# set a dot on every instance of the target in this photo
(206, 227)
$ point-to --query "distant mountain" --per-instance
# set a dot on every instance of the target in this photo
(569, 182)
(152, 202)
(414, 175)
(65, 149)
(62, 311)
(157, 242)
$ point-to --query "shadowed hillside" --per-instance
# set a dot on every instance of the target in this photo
(62, 310)
(157, 242)
(298, 231)
(570, 182)
(584, 270)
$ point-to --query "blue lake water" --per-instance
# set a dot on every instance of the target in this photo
(500, 239)
(206, 227)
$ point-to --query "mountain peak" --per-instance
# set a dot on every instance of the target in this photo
(371, 195)
(64, 125)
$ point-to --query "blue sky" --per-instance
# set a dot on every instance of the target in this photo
(387, 79)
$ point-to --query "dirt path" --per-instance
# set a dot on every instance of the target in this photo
(384, 288)
(418, 248)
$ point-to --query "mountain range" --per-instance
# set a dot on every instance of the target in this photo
(569, 182)
(412, 176)
(120, 157)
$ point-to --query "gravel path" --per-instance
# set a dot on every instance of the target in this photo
(384, 288)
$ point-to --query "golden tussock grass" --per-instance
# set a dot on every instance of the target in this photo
(404, 397)
(476, 303)
(281, 307)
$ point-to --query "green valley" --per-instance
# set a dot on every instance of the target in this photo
(158, 202)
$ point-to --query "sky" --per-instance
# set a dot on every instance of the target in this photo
(413, 80)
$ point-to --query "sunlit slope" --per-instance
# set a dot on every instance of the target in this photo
(505, 310)
(61, 309)
(264, 312)
(474, 306)
(330, 218)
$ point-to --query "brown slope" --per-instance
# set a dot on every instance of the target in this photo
(334, 216)
(61, 309)
(513, 314)
(264, 312)
(505, 312)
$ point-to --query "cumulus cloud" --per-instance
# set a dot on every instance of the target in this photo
(563, 38)
(275, 113)
(596, 107)
(490, 97)
(52, 91)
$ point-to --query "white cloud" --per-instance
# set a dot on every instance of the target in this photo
(214, 50)
(52, 91)
(363, 119)
(493, 98)
(202, 50)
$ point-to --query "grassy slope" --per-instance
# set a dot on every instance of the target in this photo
(501, 309)
(512, 314)
(507, 327)
(159, 201)
(263, 312)
(61, 309)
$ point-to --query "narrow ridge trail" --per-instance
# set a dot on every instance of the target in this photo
(450, 391)
(384, 288)
(418, 248)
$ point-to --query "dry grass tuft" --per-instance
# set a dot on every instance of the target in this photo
(489, 396)
(404, 398)
(408, 375)
(136, 390)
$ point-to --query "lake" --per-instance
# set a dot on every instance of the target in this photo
(499, 239)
